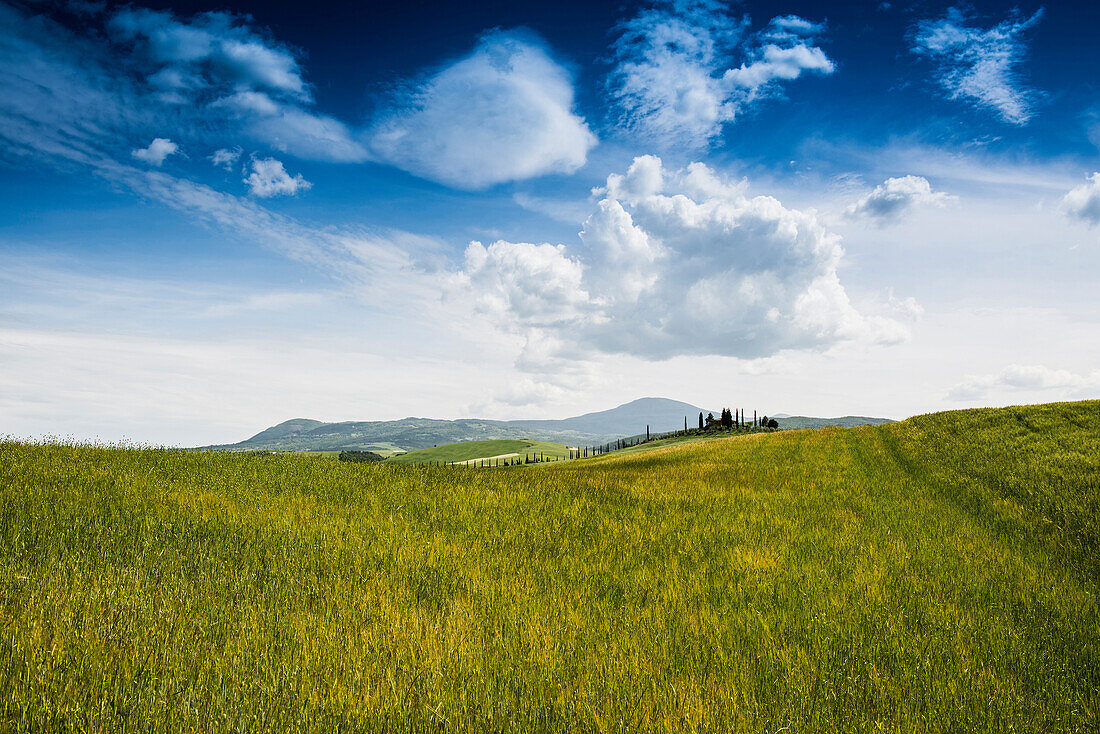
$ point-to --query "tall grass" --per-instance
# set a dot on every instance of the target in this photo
(937, 574)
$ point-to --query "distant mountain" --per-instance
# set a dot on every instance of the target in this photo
(848, 421)
(301, 434)
(659, 414)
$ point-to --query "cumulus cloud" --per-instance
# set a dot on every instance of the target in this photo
(1024, 378)
(675, 81)
(1083, 202)
(503, 113)
(211, 50)
(226, 157)
(218, 65)
(980, 65)
(538, 284)
(673, 263)
(269, 178)
(156, 152)
(891, 199)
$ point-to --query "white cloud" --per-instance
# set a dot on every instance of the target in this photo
(503, 113)
(674, 263)
(1083, 202)
(980, 65)
(226, 157)
(269, 178)
(538, 284)
(157, 151)
(1024, 378)
(779, 63)
(891, 199)
(783, 26)
(674, 80)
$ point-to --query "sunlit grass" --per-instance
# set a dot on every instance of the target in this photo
(936, 574)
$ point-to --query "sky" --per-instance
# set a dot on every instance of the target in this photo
(215, 218)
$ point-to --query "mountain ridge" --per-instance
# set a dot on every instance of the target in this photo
(659, 415)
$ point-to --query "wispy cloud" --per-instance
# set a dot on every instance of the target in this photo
(675, 79)
(78, 95)
(63, 105)
(980, 65)
(226, 157)
(264, 303)
(563, 210)
(503, 113)
(891, 199)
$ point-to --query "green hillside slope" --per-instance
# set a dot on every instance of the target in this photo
(937, 574)
(469, 450)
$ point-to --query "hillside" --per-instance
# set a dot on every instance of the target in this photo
(474, 450)
(937, 574)
(409, 434)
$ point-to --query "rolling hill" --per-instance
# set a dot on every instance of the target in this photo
(409, 434)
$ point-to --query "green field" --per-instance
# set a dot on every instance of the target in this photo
(469, 450)
(937, 574)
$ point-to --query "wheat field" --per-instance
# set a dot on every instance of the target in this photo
(938, 574)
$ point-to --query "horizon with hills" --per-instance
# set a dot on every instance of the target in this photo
(658, 415)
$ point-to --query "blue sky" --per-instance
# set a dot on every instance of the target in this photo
(214, 219)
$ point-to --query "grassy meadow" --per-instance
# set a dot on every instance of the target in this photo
(937, 574)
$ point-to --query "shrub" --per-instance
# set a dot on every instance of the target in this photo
(359, 456)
